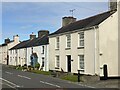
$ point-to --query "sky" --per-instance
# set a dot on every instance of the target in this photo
(23, 18)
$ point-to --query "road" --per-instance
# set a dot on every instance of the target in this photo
(16, 79)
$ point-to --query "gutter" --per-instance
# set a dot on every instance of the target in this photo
(78, 30)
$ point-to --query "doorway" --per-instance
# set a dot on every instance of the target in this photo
(69, 63)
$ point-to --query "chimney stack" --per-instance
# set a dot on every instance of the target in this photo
(32, 36)
(67, 20)
(7, 41)
(112, 5)
(42, 33)
(16, 38)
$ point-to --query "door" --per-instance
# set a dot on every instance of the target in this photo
(7, 59)
(69, 63)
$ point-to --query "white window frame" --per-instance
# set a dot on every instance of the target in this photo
(57, 42)
(81, 62)
(57, 61)
(81, 39)
(16, 51)
(43, 50)
(68, 41)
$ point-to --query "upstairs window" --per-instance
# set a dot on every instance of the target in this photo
(16, 51)
(43, 49)
(81, 39)
(57, 42)
(68, 41)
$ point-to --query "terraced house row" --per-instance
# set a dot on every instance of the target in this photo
(86, 45)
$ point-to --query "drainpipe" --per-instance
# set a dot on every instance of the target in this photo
(26, 56)
(95, 49)
(46, 58)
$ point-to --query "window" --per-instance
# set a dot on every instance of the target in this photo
(81, 62)
(16, 51)
(10, 59)
(57, 61)
(42, 49)
(68, 38)
(57, 42)
(32, 49)
(81, 39)
(43, 61)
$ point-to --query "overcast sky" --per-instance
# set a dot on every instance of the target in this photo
(23, 18)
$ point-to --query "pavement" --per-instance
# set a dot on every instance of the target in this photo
(113, 84)
(17, 80)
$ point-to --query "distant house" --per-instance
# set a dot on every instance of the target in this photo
(86, 45)
(31, 51)
(4, 56)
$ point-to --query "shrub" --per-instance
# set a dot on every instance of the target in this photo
(37, 65)
(25, 64)
(29, 67)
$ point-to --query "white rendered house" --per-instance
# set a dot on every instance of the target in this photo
(21, 53)
(87, 45)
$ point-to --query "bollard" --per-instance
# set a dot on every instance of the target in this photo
(78, 75)
(105, 72)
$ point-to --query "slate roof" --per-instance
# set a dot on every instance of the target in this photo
(30, 43)
(85, 23)
(5, 44)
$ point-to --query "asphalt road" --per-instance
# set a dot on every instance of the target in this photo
(16, 80)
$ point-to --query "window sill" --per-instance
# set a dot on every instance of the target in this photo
(56, 49)
(80, 47)
(67, 48)
(81, 70)
(56, 67)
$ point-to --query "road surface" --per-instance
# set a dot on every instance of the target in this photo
(16, 80)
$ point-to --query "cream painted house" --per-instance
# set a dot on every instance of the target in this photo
(5, 47)
(22, 53)
(86, 45)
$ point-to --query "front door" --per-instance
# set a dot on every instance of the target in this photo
(7, 59)
(69, 63)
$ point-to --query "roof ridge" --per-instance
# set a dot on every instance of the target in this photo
(85, 23)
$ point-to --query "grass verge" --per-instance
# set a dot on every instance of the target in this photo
(41, 72)
(72, 78)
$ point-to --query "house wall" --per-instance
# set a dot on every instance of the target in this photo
(20, 55)
(23, 56)
(38, 51)
(88, 52)
(0, 54)
(4, 54)
(5, 50)
(108, 45)
(118, 37)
